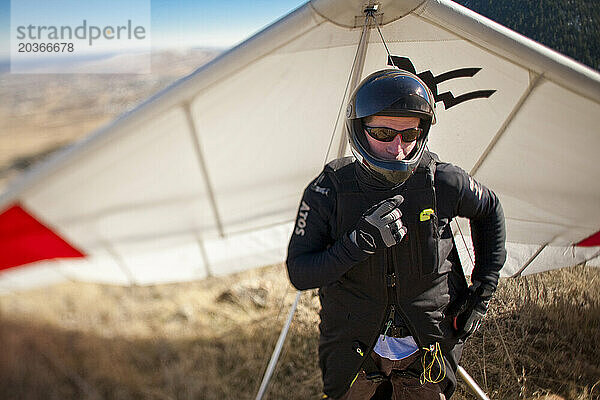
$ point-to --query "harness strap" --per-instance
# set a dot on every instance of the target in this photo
(372, 372)
(343, 180)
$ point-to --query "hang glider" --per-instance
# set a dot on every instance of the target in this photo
(205, 177)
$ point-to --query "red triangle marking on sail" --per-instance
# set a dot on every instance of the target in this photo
(591, 241)
(23, 240)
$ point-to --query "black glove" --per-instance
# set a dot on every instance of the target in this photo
(470, 308)
(380, 226)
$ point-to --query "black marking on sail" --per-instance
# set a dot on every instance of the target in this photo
(402, 63)
(432, 81)
(450, 101)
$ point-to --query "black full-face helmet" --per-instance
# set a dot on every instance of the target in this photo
(395, 93)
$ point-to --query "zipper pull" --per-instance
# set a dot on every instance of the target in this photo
(390, 322)
(358, 348)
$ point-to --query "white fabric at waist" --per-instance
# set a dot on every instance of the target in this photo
(395, 348)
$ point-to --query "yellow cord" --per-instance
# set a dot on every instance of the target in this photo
(354, 380)
(435, 352)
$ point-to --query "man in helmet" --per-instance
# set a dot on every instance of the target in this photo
(373, 235)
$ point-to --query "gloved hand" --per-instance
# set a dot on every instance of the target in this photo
(470, 308)
(380, 226)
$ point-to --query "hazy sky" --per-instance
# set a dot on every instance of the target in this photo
(186, 23)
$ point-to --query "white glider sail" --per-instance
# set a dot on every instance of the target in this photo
(205, 177)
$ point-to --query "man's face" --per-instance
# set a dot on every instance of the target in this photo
(396, 149)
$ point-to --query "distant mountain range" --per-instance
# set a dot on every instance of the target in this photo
(40, 113)
(4, 65)
(159, 60)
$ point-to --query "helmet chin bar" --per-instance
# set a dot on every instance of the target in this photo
(394, 172)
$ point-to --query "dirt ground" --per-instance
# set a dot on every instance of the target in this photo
(41, 113)
(212, 340)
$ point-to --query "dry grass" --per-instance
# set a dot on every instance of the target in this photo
(213, 339)
(541, 338)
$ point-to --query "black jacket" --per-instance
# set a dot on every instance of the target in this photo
(356, 289)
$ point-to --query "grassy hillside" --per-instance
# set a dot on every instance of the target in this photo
(40, 113)
(213, 339)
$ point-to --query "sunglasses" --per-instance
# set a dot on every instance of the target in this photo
(388, 134)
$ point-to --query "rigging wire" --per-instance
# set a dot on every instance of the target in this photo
(343, 102)
(456, 222)
(370, 13)
(505, 347)
(384, 42)
(462, 236)
(274, 339)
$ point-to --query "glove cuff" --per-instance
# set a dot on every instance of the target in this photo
(354, 251)
(483, 290)
(354, 239)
